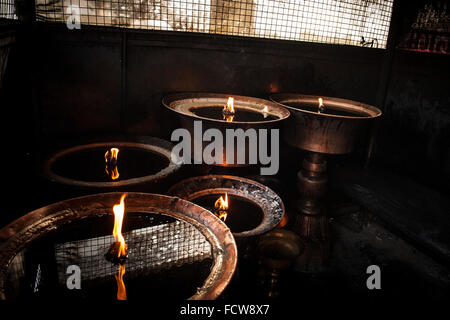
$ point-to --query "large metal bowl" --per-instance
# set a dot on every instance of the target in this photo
(167, 243)
(322, 132)
(183, 103)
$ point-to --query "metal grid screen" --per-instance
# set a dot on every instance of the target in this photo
(171, 244)
(7, 9)
(350, 22)
(149, 249)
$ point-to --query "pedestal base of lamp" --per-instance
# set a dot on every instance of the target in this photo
(310, 222)
(311, 227)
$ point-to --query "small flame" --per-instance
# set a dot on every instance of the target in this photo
(111, 161)
(228, 111)
(119, 210)
(321, 106)
(265, 111)
(230, 105)
(221, 207)
(121, 290)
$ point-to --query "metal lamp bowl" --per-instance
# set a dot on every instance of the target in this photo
(270, 203)
(322, 132)
(183, 103)
(155, 145)
(32, 227)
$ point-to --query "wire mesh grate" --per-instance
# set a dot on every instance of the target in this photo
(350, 22)
(170, 249)
(7, 9)
(149, 250)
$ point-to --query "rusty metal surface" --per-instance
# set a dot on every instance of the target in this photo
(15, 236)
(155, 145)
(321, 132)
(269, 202)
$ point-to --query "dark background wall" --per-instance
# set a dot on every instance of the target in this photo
(91, 80)
(94, 81)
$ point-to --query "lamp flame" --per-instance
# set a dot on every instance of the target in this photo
(265, 111)
(228, 111)
(119, 210)
(111, 163)
(221, 207)
(230, 105)
(321, 106)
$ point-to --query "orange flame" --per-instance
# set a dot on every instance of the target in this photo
(230, 105)
(119, 210)
(121, 290)
(221, 207)
(228, 110)
(111, 155)
(320, 104)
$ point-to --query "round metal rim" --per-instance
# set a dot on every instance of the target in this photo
(265, 224)
(159, 149)
(257, 104)
(282, 98)
(24, 230)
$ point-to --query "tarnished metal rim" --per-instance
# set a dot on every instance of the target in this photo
(181, 103)
(157, 147)
(24, 230)
(195, 187)
(369, 111)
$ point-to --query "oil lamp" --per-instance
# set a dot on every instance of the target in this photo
(320, 126)
(222, 112)
(248, 208)
(110, 166)
(176, 249)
